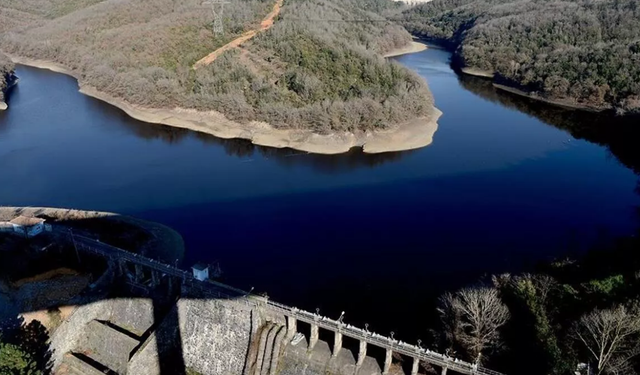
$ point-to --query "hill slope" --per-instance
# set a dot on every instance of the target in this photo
(576, 52)
(311, 70)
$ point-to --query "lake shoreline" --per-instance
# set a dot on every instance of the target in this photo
(413, 47)
(557, 103)
(164, 244)
(474, 72)
(477, 72)
(458, 67)
(413, 134)
(5, 91)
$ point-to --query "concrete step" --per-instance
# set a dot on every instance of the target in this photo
(108, 345)
(73, 365)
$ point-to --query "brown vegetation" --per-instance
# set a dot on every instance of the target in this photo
(56, 272)
(314, 69)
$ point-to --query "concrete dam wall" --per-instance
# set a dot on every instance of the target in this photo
(215, 337)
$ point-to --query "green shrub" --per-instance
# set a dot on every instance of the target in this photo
(15, 361)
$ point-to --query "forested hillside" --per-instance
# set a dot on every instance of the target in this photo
(578, 52)
(313, 69)
(6, 75)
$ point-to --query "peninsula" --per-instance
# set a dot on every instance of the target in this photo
(292, 74)
(579, 54)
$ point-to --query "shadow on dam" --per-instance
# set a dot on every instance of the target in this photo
(117, 313)
(55, 275)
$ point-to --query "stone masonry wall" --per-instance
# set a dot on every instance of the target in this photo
(215, 337)
(134, 315)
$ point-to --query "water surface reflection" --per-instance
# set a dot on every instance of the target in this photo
(618, 133)
(243, 148)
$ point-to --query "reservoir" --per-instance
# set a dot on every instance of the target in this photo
(506, 184)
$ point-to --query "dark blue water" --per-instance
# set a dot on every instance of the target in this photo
(503, 186)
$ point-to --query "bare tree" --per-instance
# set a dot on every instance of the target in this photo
(612, 338)
(472, 318)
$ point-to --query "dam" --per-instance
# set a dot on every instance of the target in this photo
(207, 327)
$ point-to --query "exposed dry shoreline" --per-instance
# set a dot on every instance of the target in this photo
(413, 47)
(3, 106)
(559, 103)
(413, 134)
(477, 72)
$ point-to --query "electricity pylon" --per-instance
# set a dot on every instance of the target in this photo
(218, 27)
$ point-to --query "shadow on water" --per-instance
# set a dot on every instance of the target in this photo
(619, 134)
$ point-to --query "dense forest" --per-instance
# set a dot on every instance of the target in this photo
(583, 53)
(6, 75)
(314, 69)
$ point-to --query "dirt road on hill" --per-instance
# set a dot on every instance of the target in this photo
(264, 25)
